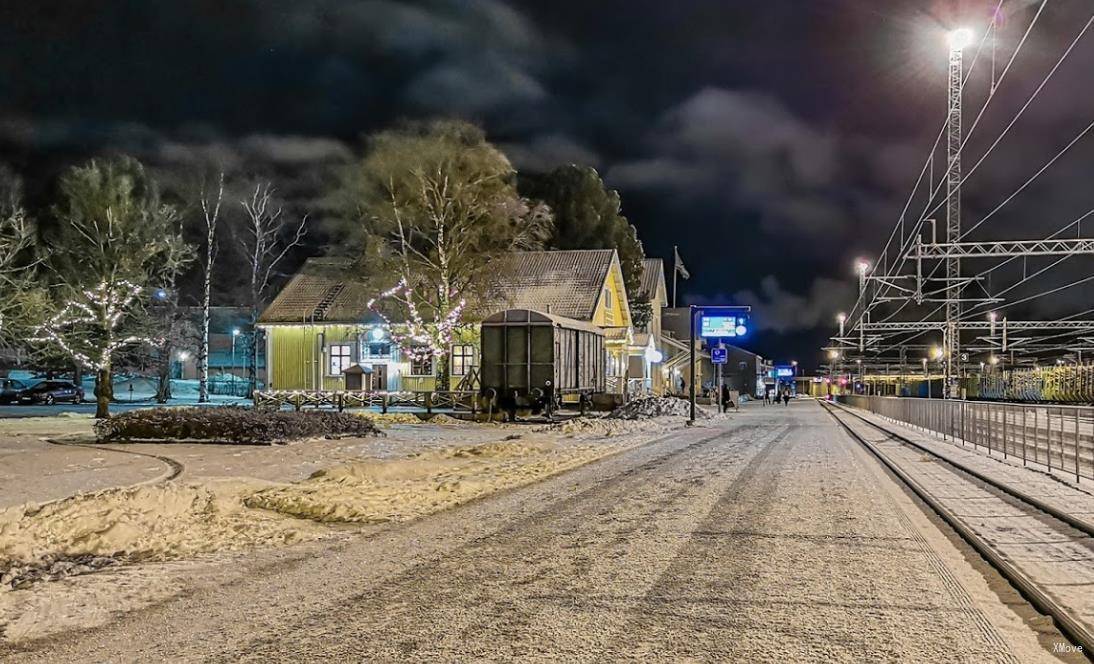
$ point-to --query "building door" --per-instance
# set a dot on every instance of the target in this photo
(379, 377)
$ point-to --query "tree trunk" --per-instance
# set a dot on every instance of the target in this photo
(203, 350)
(163, 385)
(104, 392)
(443, 373)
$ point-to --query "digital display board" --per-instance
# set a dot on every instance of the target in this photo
(784, 372)
(721, 327)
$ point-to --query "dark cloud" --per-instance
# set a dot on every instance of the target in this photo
(777, 310)
(780, 138)
(748, 152)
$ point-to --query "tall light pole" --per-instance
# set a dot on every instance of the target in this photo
(958, 40)
(235, 335)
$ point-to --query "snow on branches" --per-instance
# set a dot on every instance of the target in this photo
(86, 328)
(418, 339)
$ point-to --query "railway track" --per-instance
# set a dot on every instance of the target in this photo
(1047, 555)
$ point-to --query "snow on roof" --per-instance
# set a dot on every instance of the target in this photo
(564, 283)
(324, 290)
(653, 277)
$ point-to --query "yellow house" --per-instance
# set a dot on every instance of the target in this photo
(320, 325)
(647, 350)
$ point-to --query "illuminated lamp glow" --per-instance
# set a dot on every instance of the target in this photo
(653, 355)
(741, 330)
(377, 334)
(960, 39)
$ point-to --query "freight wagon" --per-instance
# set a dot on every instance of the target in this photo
(529, 358)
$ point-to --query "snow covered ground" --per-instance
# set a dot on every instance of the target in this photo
(123, 523)
(767, 536)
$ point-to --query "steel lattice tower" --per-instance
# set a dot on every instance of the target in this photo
(952, 341)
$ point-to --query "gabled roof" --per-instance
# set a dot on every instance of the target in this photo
(653, 278)
(564, 283)
(324, 290)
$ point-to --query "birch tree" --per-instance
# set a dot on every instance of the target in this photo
(116, 242)
(268, 237)
(17, 269)
(430, 207)
(210, 210)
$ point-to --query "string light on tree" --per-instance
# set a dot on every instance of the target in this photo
(85, 329)
(419, 339)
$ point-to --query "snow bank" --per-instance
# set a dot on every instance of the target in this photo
(402, 489)
(144, 523)
(649, 407)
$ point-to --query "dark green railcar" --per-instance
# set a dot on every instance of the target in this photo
(528, 356)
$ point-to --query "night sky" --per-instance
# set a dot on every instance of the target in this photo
(773, 141)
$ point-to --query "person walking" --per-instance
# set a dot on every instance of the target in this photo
(786, 398)
(725, 398)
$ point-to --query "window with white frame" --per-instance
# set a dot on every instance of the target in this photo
(423, 367)
(463, 358)
(340, 358)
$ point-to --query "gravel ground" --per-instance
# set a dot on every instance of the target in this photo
(766, 537)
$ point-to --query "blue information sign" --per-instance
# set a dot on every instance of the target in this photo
(719, 355)
(722, 326)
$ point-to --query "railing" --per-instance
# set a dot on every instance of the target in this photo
(1059, 439)
(342, 399)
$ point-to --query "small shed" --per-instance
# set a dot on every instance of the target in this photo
(358, 378)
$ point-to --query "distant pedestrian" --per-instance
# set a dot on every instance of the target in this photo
(786, 398)
(767, 397)
(725, 398)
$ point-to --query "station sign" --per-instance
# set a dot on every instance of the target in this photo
(784, 372)
(719, 355)
(722, 327)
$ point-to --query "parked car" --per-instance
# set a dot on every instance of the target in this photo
(51, 391)
(11, 390)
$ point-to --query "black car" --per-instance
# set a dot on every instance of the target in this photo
(11, 390)
(52, 391)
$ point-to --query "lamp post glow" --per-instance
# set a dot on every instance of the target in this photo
(862, 267)
(235, 335)
(960, 39)
(842, 318)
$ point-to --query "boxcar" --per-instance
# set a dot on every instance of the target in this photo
(523, 349)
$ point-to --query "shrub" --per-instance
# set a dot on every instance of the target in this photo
(230, 425)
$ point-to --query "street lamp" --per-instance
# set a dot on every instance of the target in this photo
(235, 335)
(862, 267)
(842, 318)
(182, 357)
(960, 39)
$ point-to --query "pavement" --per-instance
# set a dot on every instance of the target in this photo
(770, 536)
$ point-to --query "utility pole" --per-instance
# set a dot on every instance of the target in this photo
(958, 40)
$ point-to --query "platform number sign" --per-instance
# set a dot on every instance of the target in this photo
(719, 355)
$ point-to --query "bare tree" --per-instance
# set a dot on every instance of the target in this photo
(210, 209)
(269, 236)
(18, 263)
(16, 241)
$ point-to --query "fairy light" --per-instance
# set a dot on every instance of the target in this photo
(420, 340)
(102, 310)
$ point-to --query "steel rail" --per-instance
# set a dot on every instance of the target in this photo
(1071, 627)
